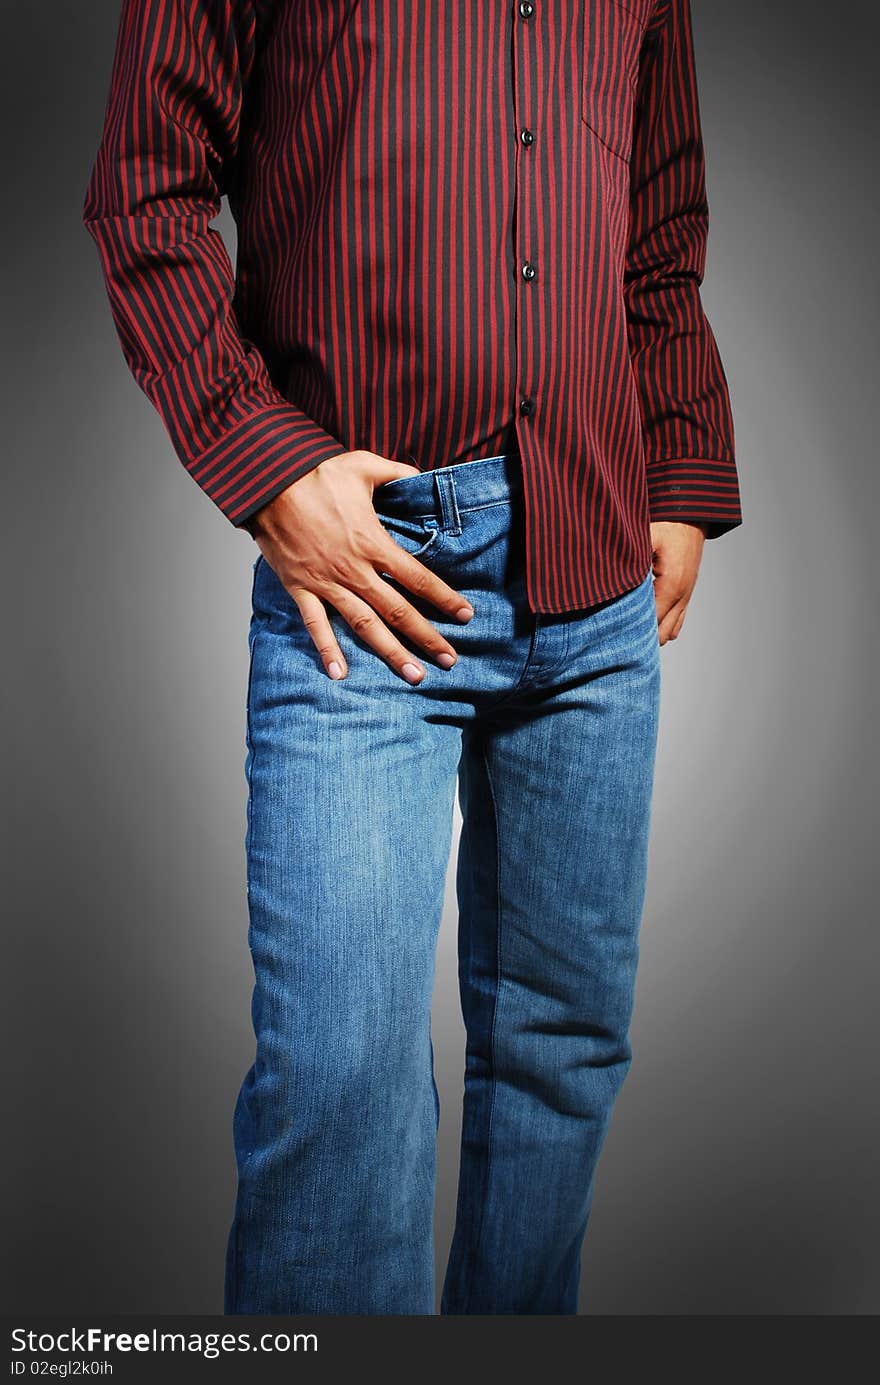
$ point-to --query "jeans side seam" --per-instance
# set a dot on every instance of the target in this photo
(492, 1030)
(247, 1156)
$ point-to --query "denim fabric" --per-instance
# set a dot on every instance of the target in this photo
(547, 727)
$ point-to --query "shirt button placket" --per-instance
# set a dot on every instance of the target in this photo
(526, 12)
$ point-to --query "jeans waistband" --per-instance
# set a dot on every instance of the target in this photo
(443, 492)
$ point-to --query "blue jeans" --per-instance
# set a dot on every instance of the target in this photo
(547, 724)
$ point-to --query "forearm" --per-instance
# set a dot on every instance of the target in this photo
(170, 134)
(683, 393)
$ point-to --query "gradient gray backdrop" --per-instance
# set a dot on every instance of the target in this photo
(740, 1172)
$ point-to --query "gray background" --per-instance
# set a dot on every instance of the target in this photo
(740, 1172)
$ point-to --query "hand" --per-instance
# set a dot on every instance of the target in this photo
(678, 548)
(324, 541)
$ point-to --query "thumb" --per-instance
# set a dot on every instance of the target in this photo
(380, 469)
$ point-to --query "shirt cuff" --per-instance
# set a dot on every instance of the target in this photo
(695, 490)
(260, 456)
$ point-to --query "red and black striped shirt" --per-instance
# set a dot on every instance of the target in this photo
(463, 229)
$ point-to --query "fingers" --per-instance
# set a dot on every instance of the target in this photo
(413, 574)
(368, 626)
(671, 602)
(403, 617)
(670, 624)
(677, 549)
(377, 611)
(317, 622)
(667, 595)
(380, 469)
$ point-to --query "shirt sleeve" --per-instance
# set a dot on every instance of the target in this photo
(683, 393)
(165, 157)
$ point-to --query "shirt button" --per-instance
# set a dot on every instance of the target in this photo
(528, 270)
(526, 9)
(527, 137)
(526, 407)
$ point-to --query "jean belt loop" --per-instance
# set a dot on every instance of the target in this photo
(444, 490)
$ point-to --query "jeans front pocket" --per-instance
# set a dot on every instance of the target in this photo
(420, 538)
(612, 39)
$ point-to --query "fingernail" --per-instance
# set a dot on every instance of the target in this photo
(411, 671)
(446, 660)
(334, 668)
(465, 612)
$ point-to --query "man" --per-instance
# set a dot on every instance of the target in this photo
(462, 393)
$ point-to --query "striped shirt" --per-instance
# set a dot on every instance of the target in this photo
(463, 229)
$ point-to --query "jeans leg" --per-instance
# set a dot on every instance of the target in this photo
(555, 794)
(351, 790)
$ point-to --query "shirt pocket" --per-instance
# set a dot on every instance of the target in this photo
(612, 39)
